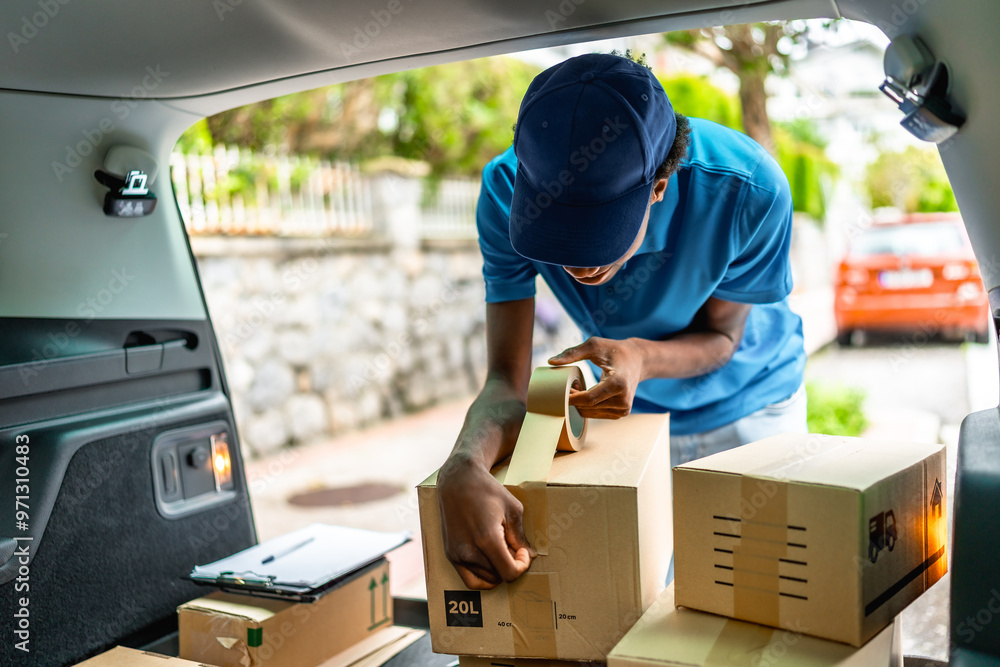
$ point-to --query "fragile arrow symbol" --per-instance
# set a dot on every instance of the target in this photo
(385, 594)
(371, 588)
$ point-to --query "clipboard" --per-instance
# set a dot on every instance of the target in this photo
(300, 566)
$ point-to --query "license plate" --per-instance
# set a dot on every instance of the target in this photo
(906, 278)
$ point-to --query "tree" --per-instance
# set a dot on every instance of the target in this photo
(797, 145)
(913, 181)
(750, 51)
(454, 117)
(695, 96)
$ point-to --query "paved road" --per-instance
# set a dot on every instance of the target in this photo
(917, 390)
(895, 375)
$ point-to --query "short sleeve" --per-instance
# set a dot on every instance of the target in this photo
(508, 276)
(760, 271)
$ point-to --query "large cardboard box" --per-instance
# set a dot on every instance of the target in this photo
(669, 636)
(475, 661)
(828, 536)
(232, 630)
(121, 656)
(603, 534)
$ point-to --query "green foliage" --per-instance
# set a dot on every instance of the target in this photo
(196, 139)
(804, 130)
(806, 166)
(799, 148)
(835, 409)
(913, 180)
(454, 117)
(695, 96)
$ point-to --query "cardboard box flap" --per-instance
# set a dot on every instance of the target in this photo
(602, 465)
(121, 656)
(839, 461)
(240, 606)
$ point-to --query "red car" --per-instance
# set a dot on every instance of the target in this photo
(914, 274)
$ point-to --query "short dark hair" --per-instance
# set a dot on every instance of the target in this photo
(682, 140)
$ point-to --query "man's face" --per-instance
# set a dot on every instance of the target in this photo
(602, 274)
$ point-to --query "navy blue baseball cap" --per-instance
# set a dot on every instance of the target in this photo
(590, 135)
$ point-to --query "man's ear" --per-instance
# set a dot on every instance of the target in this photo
(659, 188)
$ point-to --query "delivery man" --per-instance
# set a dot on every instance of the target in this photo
(666, 240)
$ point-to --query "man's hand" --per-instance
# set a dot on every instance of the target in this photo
(622, 363)
(481, 523)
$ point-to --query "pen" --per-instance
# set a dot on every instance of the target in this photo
(286, 551)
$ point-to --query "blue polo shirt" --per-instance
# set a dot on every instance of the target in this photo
(722, 230)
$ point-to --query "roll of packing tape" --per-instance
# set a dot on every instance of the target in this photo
(548, 394)
(550, 424)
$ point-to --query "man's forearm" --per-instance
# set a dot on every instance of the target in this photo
(491, 425)
(684, 356)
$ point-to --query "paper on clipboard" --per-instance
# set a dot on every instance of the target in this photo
(304, 559)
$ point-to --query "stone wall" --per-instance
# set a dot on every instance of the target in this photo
(322, 336)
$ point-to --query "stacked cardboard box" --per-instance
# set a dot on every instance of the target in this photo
(121, 656)
(823, 535)
(602, 528)
(666, 635)
(806, 538)
(232, 630)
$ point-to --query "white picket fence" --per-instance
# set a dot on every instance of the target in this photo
(236, 191)
(452, 212)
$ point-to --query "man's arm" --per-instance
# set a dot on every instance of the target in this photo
(705, 346)
(480, 519)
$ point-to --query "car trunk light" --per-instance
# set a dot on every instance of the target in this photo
(856, 277)
(968, 290)
(221, 463)
(955, 271)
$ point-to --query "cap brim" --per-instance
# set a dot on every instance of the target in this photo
(584, 236)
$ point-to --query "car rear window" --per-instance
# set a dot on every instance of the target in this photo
(930, 238)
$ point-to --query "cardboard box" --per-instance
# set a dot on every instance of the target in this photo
(471, 661)
(830, 536)
(604, 544)
(232, 630)
(376, 649)
(669, 636)
(121, 656)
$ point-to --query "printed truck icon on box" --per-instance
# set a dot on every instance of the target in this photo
(882, 533)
